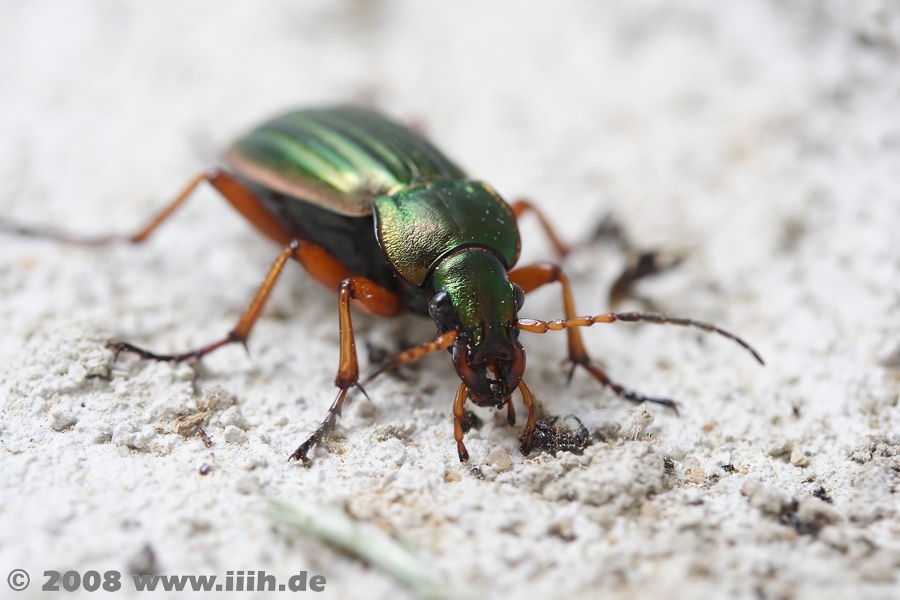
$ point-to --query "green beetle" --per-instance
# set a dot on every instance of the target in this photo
(371, 209)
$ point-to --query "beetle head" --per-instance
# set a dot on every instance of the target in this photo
(472, 294)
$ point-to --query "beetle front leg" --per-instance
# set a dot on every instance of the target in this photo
(376, 299)
(532, 277)
(530, 424)
(460, 423)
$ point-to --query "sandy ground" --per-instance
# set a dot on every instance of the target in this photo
(760, 139)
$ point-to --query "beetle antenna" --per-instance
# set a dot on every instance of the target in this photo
(537, 326)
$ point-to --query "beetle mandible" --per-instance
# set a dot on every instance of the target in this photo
(373, 210)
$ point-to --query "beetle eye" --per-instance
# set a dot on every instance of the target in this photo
(519, 294)
(440, 308)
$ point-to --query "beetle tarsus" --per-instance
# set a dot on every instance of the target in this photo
(527, 444)
(302, 452)
(60, 236)
(622, 391)
(463, 453)
(120, 347)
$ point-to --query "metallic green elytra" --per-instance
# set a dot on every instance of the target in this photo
(339, 158)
